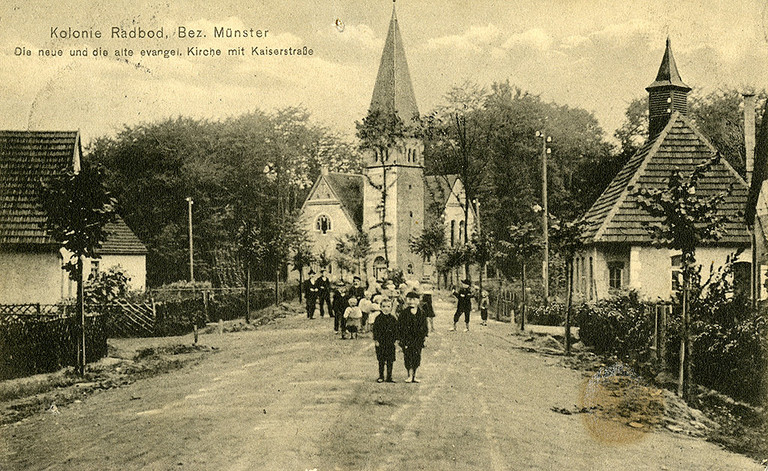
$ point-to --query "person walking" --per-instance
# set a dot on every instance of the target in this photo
(464, 305)
(324, 293)
(340, 303)
(310, 294)
(483, 303)
(426, 305)
(384, 337)
(412, 328)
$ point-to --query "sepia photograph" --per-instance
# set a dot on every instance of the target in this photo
(383, 235)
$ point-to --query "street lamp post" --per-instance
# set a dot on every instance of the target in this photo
(545, 213)
(191, 252)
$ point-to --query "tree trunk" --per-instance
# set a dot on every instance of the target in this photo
(301, 281)
(522, 311)
(248, 294)
(277, 286)
(466, 233)
(81, 310)
(569, 269)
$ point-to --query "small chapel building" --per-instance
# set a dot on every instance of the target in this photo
(619, 254)
(341, 204)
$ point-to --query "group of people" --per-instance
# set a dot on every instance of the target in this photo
(402, 315)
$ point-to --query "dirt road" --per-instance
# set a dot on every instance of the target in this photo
(290, 396)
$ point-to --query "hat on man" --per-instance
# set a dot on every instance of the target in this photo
(412, 294)
(311, 272)
(340, 283)
(466, 282)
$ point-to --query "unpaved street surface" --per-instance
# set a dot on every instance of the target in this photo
(291, 396)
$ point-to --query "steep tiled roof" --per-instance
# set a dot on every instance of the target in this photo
(349, 189)
(393, 92)
(121, 240)
(616, 215)
(28, 158)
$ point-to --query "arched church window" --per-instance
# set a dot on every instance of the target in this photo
(461, 231)
(379, 268)
(323, 223)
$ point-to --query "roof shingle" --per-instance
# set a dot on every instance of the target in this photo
(616, 215)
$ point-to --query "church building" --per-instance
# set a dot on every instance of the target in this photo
(341, 204)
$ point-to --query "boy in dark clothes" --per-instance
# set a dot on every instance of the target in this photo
(340, 303)
(384, 337)
(464, 305)
(412, 328)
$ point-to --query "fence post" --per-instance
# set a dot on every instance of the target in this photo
(655, 345)
(663, 336)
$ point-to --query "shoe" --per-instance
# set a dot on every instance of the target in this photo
(409, 380)
(380, 380)
(466, 329)
(452, 329)
(390, 380)
(414, 380)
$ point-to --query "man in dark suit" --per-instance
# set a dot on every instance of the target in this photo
(464, 304)
(412, 327)
(324, 293)
(357, 290)
(310, 294)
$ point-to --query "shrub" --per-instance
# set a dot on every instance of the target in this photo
(554, 314)
(618, 326)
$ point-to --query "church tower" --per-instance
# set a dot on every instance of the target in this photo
(394, 180)
(666, 94)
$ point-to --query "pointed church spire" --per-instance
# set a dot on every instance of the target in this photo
(666, 95)
(393, 92)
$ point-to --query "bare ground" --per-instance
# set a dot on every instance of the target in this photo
(292, 396)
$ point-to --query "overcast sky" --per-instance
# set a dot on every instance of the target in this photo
(597, 55)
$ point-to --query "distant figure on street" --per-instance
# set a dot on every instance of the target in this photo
(426, 305)
(384, 338)
(464, 305)
(484, 302)
(310, 294)
(357, 290)
(340, 303)
(412, 328)
(352, 315)
(324, 293)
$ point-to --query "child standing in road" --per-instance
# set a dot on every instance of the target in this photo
(384, 337)
(353, 314)
(484, 301)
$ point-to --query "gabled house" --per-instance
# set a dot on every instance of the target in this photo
(618, 253)
(30, 261)
(756, 214)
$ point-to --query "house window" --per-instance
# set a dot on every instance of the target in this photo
(323, 223)
(379, 268)
(614, 274)
(677, 272)
(94, 270)
(742, 279)
(453, 232)
(591, 280)
(461, 231)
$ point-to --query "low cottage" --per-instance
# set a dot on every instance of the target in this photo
(30, 261)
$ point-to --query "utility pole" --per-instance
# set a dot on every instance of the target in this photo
(545, 213)
(191, 252)
(477, 225)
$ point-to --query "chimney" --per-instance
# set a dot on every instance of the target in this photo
(749, 133)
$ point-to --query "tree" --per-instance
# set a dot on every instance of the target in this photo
(458, 133)
(302, 258)
(379, 133)
(78, 207)
(252, 251)
(354, 251)
(567, 239)
(687, 219)
(524, 242)
(430, 243)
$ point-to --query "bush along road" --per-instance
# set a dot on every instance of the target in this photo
(291, 395)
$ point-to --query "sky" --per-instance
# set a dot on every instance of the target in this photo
(598, 55)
